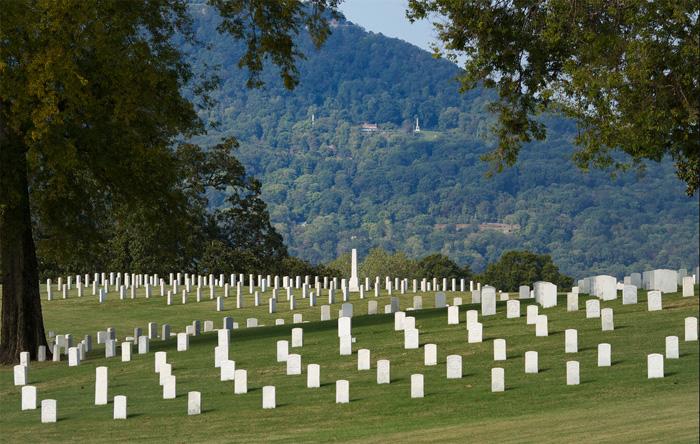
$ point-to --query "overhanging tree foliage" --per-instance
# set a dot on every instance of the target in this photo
(91, 108)
(626, 71)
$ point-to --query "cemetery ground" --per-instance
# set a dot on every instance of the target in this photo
(616, 403)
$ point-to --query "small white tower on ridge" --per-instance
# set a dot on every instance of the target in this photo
(416, 129)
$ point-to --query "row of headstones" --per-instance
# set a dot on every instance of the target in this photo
(666, 281)
(133, 281)
(228, 371)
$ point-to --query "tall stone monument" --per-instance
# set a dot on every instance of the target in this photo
(353, 284)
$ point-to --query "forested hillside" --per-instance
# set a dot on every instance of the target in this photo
(331, 186)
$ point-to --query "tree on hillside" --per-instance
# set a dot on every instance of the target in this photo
(381, 263)
(91, 108)
(516, 268)
(627, 72)
(440, 266)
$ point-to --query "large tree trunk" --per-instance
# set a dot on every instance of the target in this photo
(22, 321)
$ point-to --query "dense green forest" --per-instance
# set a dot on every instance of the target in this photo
(330, 186)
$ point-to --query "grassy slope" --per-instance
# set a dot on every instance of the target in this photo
(611, 404)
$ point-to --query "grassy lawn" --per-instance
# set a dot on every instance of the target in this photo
(611, 404)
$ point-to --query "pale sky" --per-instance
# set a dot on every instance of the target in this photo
(389, 18)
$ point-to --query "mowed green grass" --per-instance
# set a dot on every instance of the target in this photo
(611, 404)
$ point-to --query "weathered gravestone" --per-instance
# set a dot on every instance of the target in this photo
(513, 309)
(654, 301)
(629, 294)
(194, 403)
(607, 320)
(592, 308)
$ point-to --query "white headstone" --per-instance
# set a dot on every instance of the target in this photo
(120, 406)
(572, 373)
(161, 358)
(240, 382)
(532, 311)
(342, 391)
(571, 301)
(513, 309)
(430, 354)
(475, 333)
(531, 362)
(453, 315)
(28, 397)
(655, 366)
(170, 387)
(524, 292)
(227, 370)
(48, 410)
(363, 359)
(282, 350)
(499, 349)
(383, 371)
(691, 329)
(454, 367)
(293, 364)
(345, 345)
(570, 340)
(629, 294)
(297, 337)
(21, 374)
(101, 383)
(488, 301)
(498, 382)
(126, 351)
(654, 301)
(411, 339)
(399, 318)
(183, 342)
(344, 327)
(672, 347)
(194, 403)
(592, 308)
(417, 386)
(313, 376)
(606, 319)
(472, 317)
(604, 355)
(688, 289)
(541, 326)
(268, 397)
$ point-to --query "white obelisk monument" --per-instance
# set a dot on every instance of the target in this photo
(353, 284)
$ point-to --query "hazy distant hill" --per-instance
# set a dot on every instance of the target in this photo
(331, 186)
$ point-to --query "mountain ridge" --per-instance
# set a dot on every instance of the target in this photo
(331, 187)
